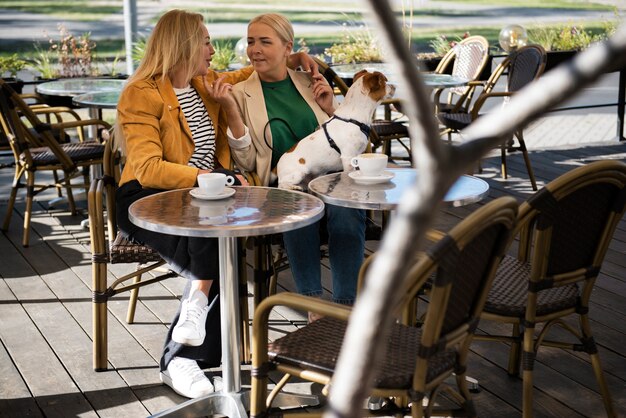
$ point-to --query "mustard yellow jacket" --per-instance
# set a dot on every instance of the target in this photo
(158, 141)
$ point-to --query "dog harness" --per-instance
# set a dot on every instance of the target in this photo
(362, 126)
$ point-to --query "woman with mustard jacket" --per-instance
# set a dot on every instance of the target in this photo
(171, 131)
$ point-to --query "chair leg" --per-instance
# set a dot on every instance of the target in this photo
(132, 300)
(30, 193)
(244, 315)
(99, 317)
(70, 195)
(528, 363)
(522, 146)
(11, 204)
(503, 168)
(56, 182)
(514, 352)
(591, 348)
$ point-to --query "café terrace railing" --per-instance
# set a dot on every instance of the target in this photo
(371, 318)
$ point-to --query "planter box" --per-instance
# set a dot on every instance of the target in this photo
(556, 58)
(16, 83)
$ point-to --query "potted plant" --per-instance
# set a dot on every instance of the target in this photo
(9, 67)
(563, 42)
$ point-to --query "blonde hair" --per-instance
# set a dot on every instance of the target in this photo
(281, 25)
(175, 43)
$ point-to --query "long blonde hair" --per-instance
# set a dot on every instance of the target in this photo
(175, 43)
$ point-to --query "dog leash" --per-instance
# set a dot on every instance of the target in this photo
(362, 126)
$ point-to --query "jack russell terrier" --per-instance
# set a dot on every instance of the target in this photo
(344, 136)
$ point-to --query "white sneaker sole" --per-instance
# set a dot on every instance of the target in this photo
(194, 342)
(167, 380)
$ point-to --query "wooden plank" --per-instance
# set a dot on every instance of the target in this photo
(16, 401)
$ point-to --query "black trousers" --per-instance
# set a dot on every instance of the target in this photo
(190, 257)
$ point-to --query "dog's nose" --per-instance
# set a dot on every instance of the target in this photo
(392, 89)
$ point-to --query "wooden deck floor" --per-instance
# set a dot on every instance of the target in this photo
(45, 321)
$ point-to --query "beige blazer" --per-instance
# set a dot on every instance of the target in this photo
(250, 152)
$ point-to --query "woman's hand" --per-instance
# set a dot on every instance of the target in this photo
(323, 94)
(221, 92)
(304, 61)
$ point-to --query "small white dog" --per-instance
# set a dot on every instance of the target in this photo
(343, 136)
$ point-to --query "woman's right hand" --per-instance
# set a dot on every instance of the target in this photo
(221, 92)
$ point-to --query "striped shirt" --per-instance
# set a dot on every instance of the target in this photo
(201, 126)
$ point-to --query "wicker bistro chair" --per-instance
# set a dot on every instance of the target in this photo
(418, 360)
(524, 66)
(564, 231)
(468, 59)
(113, 250)
(35, 148)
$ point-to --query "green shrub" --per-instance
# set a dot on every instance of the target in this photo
(355, 46)
(224, 55)
(11, 65)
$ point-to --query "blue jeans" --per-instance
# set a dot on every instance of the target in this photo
(346, 246)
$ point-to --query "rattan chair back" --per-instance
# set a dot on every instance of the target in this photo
(469, 58)
(564, 233)
(459, 268)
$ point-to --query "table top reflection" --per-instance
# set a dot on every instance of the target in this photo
(250, 211)
(341, 190)
(98, 99)
(430, 79)
(78, 85)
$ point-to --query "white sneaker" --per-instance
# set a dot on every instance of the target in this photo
(190, 329)
(186, 378)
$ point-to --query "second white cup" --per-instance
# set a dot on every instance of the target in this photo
(212, 184)
(370, 164)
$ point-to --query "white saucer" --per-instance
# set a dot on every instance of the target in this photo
(361, 179)
(197, 193)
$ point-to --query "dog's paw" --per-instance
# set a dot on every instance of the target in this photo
(289, 186)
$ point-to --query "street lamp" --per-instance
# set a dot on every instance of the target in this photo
(512, 37)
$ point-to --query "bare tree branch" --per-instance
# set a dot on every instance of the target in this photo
(439, 166)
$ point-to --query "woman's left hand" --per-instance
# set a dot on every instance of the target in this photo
(304, 61)
(323, 93)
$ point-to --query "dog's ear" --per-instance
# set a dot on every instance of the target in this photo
(358, 75)
(375, 81)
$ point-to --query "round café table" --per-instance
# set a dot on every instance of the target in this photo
(341, 190)
(250, 211)
(98, 99)
(70, 87)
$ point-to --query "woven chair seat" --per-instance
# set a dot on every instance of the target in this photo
(124, 251)
(456, 121)
(80, 151)
(317, 346)
(509, 293)
(390, 128)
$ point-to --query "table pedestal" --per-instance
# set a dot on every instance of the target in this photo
(232, 401)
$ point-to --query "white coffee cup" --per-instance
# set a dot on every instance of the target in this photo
(370, 164)
(212, 184)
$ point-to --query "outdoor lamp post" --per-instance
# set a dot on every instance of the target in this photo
(512, 37)
(241, 54)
